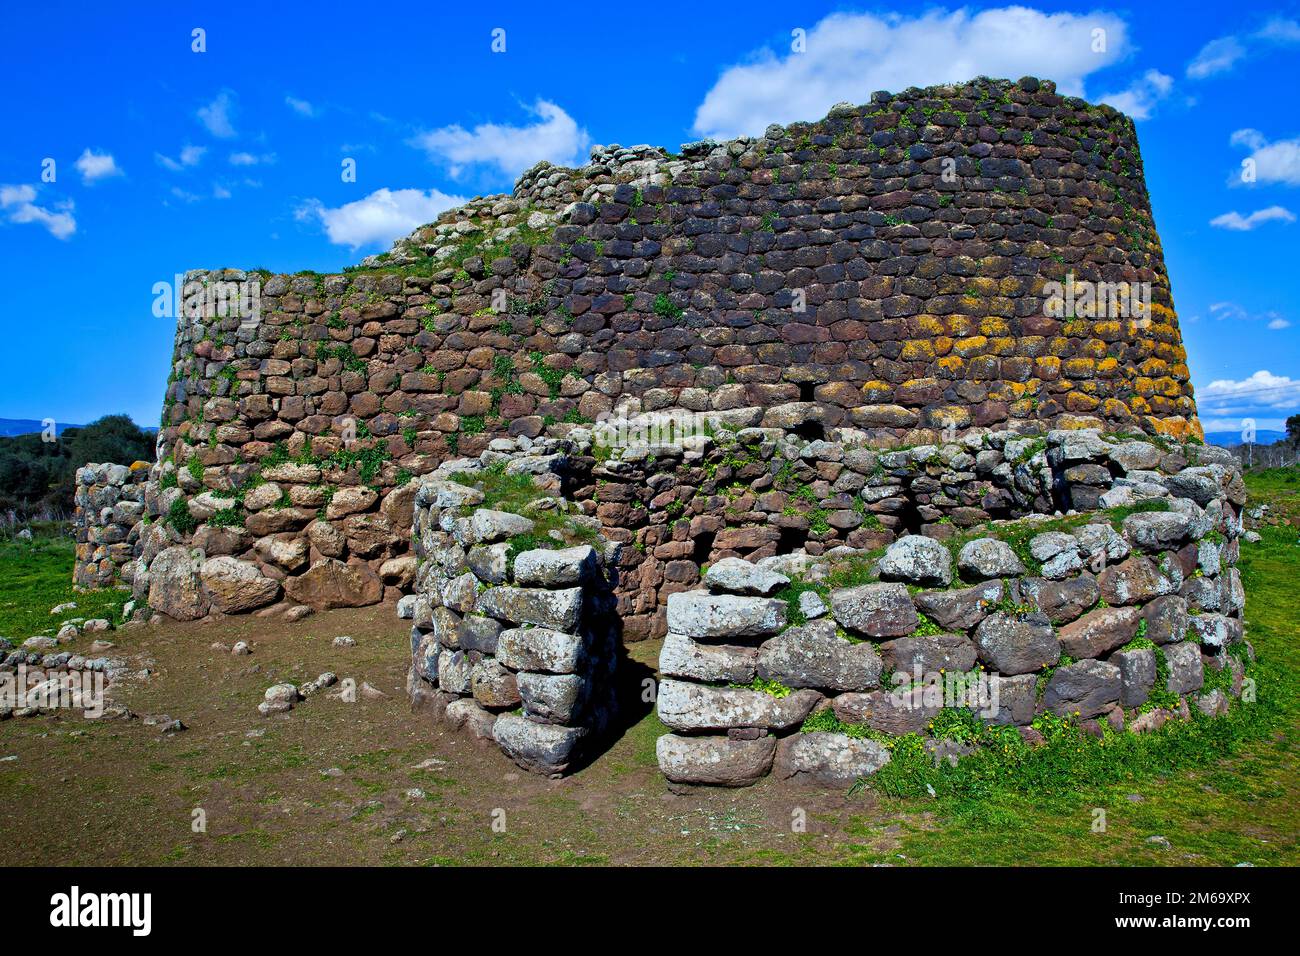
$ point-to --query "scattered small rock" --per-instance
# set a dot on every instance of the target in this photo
(100, 647)
(64, 608)
(241, 649)
(96, 625)
(279, 698)
(371, 693)
(344, 641)
(297, 613)
(1160, 841)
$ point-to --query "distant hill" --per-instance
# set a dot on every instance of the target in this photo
(9, 427)
(1227, 439)
(12, 427)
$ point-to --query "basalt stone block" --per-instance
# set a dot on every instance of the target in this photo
(488, 526)
(734, 576)
(545, 608)
(829, 759)
(474, 632)
(681, 656)
(988, 558)
(488, 562)
(699, 614)
(1186, 672)
(693, 707)
(1017, 645)
(454, 669)
(1013, 701)
(1099, 632)
(493, 686)
(1214, 631)
(541, 649)
(1157, 530)
(963, 608)
(893, 711)
(815, 656)
(715, 761)
(875, 610)
(916, 559)
(547, 749)
(1083, 689)
(553, 698)
(1061, 601)
(1134, 581)
(556, 569)
(1137, 672)
(929, 655)
(1167, 619)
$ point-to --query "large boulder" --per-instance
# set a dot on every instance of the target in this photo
(692, 707)
(236, 586)
(1134, 581)
(1137, 674)
(953, 653)
(1167, 619)
(988, 558)
(1154, 531)
(715, 761)
(1083, 689)
(875, 610)
(962, 608)
(1099, 632)
(560, 610)
(330, 583)
(1017, 645)
(541, 649)
(1061, 601)
(560, 568)
(897, 711)
(1186, 672)
(917, 559)
(175, 588)
(552, 698)
(829, 759)
(681, 656)
(547, 749)
(702, 615)
(815, 656)
(735, 576)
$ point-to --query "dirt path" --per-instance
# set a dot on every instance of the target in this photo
(367, 782)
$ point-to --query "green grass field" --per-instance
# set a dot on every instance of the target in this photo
(36, 576)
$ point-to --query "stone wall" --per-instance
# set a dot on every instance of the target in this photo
(886, 264)
(108, 507)
(811, 664)
(514, 635)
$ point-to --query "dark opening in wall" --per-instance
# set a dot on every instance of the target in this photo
(909, 517)
(811, 431)
(806, 390)
(791, 540)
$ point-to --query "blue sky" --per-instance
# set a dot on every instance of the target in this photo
(167, 159)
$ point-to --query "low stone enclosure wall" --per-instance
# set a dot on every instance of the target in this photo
(1127, 612)
(109, 503)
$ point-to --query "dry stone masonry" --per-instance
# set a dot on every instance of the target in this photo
(812, 663)
(901, 390)
(514, 635)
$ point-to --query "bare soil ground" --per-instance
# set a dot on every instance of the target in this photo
(366, 782)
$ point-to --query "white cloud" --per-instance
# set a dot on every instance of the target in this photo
(251, 159)
(1275, 162)
(1236, 313)
(96, 166)
(216, 115)
(19, 205)
(1236, 424)
(556, 137)
(379, 218)
(1142, 94)
(850, 55)
(1236, 221)
(220, 192)
(189, 156)
(301, 107)
(1222, 54)
(1215, 57)
(1262, 390)
(1278, 324)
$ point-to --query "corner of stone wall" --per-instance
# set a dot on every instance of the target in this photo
(514, 634)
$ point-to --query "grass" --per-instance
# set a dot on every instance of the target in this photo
(513, 493)
(37, 576)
